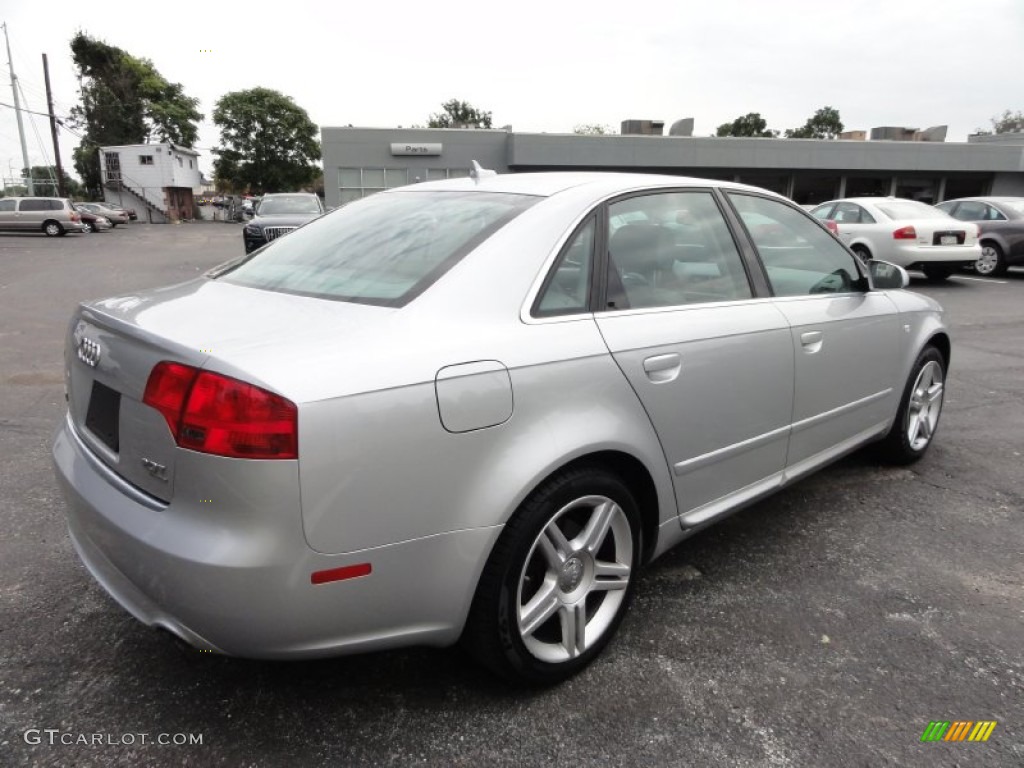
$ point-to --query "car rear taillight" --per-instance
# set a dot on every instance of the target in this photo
(75, 217)
(211, 413)
(831, 226)
(905, 233)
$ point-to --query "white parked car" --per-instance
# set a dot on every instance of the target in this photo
(904, 232)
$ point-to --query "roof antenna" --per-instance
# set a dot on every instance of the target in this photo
(478, 172)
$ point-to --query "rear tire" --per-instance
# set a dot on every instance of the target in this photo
(53, 228)
(937, 272)
(919, 411)
(992, 262)
(862, 253)
(87, 227)
(559, 580)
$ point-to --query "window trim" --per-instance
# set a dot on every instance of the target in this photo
(864, 284)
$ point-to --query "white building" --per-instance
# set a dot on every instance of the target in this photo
(158, 180)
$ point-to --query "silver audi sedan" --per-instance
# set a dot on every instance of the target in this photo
(474, 410)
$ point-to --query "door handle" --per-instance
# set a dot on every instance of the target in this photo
(662, 368)
(811, 341)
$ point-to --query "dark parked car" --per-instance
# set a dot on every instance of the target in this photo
(93, 222)
(279, 214)
(1001, 220)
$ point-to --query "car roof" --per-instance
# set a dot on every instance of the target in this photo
(986, 199)
(550, 183)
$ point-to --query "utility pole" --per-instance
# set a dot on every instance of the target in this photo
(61, 191)
(17, 111)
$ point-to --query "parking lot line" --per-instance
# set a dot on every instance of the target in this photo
(981, 279)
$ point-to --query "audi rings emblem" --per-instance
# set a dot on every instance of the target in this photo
(89, 351)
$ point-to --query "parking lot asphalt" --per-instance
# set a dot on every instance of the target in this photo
(825, 626)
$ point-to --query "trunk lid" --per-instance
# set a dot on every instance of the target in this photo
(113, 345)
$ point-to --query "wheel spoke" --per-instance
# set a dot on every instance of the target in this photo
(554, 546)
(609, 576)
(914, 427)
(925, 426)
(934, 392)
(574, 628)
(597, 527)
(541, 607)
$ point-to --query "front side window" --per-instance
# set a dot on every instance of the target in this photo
(671, 248)
(383, 250)
(567, 288)
(800, 257)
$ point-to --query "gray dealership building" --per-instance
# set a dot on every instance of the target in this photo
(361, 161)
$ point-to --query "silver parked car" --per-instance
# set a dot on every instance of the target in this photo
(904, 232)
(53, 216)
(475, 409)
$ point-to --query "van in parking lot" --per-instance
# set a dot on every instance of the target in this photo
(53, 216)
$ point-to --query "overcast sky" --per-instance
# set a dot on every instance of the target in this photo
(545, 65)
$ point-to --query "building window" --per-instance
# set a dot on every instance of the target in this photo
(145, 159)
(189, 163)
(180, 163)
(355, 183)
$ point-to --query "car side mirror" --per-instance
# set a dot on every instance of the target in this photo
(886, 276)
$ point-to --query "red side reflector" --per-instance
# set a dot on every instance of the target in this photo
(340, 574)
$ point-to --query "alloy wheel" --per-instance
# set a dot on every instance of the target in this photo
(989, 261)
(574, 579)
(925, 405)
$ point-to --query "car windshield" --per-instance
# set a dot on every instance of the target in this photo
(384, 250)
(909, 209)
(273, 206)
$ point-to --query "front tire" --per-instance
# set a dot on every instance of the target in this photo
(919, 411)
(559, 580)
(992, 262)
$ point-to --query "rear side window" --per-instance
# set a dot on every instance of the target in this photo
(800, 257)
(7, 205)
(34, 205)
(384, 250)
(669, 249)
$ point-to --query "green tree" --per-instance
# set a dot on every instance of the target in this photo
(824, 124)
(750, 124)
(44, 178)
(125, 100)
(593, 129)
(267, 142)
(459, 114)
(1008, 122)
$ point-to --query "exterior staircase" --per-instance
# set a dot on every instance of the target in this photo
(119, 189)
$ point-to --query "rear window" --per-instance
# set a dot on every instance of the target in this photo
(909, 209)
(1014, 205)
(384, 250)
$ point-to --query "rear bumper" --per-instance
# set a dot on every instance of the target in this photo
(909, 255)
(245, 589)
